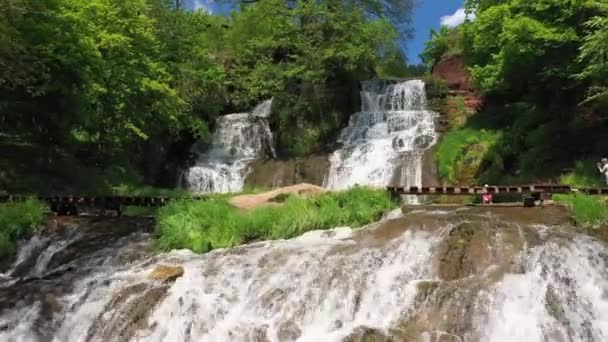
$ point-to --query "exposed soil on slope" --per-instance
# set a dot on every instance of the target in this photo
(274, 197)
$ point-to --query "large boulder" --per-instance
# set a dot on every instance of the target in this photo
(275, 197)
(167, 273)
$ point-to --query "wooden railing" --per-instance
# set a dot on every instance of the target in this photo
(69, 205)
(495, 189)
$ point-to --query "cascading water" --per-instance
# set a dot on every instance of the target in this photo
(468, 274)
(238, 139)
(384, 143)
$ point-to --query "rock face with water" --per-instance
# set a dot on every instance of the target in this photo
(429, 274)
(237, 140)
(272, 173)
(385, 142)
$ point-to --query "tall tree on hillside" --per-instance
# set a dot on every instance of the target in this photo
(398, 12)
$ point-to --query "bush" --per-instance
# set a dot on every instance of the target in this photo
(435, 87)
(586, 210)
(18, 220)
(204, 225)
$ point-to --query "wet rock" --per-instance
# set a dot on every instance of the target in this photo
(127, 313)
(554, 306)
(454, 260)
(439, 336)
(365, 334)
(167, 273)
(289, 332)
(278, 173)
(425, 289)
(260, 334)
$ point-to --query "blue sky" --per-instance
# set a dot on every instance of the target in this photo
(427, 15)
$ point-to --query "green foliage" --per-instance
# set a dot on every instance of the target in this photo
(17, 220)
(461, 153)
(436, 87)
(310, 57)
(214, 223)
(515, 48)
(445, 42)
(109, 77)
(584, 174)
(587, 211)
(542, 68)
(594, 52)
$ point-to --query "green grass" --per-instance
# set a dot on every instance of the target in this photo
(584, 174)
(18, 220)
(587, 211)
(205, 225)
(461, 152)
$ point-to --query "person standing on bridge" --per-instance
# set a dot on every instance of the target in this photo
(486, 197)
(603, 167)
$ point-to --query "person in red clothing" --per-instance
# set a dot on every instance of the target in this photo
(486, 197)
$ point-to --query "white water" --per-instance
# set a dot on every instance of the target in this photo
(389, 134)
(323, 286)
(237, 140)
(573, 276)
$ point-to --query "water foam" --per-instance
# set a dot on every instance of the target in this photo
(237, 140)
(384, 143)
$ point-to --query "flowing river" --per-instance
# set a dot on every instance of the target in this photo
(424, 273)
(432, 274)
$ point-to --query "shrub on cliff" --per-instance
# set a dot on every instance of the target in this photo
(17, 220)
(461, 154)
(205, 225)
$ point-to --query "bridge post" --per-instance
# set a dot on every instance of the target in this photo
(394, 193)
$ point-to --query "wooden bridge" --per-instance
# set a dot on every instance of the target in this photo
(474, 190)
(69, 205)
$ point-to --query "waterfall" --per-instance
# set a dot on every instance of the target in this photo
(391, 132)
(237, 140)
(465, 274)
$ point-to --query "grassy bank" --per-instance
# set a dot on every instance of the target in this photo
(587, 211)
(18, 220)
(205, 225)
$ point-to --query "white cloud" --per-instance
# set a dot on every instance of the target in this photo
(457, 18)
(206, 5)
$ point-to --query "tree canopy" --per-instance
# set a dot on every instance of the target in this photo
(109, 75)
(542, 68)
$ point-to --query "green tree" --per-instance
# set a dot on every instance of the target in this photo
(519, 47)
(112, 77)
(594, 54)
(311, 58)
